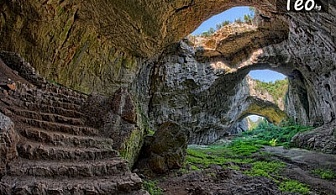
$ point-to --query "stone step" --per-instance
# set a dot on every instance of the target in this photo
(59, 127)
(66, 96)
(79, 169)
(60, 103)
(50, 101)
(61, 139)
(40, 151)
(46, 116)
(65, 91)
(33, 106)
(53, 109)
(124, 184)
(38, 95)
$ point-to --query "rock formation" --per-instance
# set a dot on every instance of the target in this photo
(8, 142)
(208, 98)
(165, 150)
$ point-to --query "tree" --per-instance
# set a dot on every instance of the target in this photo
(226, 22)
(238, 21)
(247, 19)
(211, 30)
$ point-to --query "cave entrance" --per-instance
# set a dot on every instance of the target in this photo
(254, 121)
(240, 14)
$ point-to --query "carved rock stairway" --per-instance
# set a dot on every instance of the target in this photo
(58, 154)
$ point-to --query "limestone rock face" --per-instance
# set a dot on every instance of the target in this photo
(321, 139)
(206, 97)
(165, 150)
(116, 118)
(8, 141)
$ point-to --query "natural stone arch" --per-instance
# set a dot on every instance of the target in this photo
(263, 108)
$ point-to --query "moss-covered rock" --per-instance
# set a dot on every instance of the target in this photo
(165, 150)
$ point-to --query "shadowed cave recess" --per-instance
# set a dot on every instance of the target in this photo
(91, 90)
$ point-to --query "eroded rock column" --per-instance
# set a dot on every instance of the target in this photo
(8, 141)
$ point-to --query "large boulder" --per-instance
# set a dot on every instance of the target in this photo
(165, 150)
(8, 141)
(320, 139)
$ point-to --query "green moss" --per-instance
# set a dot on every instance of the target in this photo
(194, 168)
(234, 167)
(294, 186)
(152, 188)
(325, 173)
(132, 146)
(265, 169)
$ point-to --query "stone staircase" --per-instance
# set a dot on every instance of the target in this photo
(58, 153)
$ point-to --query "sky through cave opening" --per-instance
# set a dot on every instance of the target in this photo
(230, 15)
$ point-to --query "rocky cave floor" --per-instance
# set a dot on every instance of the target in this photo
(215, 179)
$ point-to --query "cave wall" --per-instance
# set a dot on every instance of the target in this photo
(63, 45)
(312, 44)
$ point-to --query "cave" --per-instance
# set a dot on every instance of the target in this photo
(90, 90)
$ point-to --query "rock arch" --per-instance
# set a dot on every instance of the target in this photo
(264, 108)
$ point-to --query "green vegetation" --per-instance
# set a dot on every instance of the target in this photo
(224, 23)
(268, 134)
(294, 186)
(247, 18)
(277, 89)
(325, 173)
(151, 187)
(265, 169)
(243, 151)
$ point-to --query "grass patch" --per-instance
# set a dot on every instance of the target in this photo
(294, 186)
(152, 188)
(327, 174)
(216, 155)
(265, 169)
